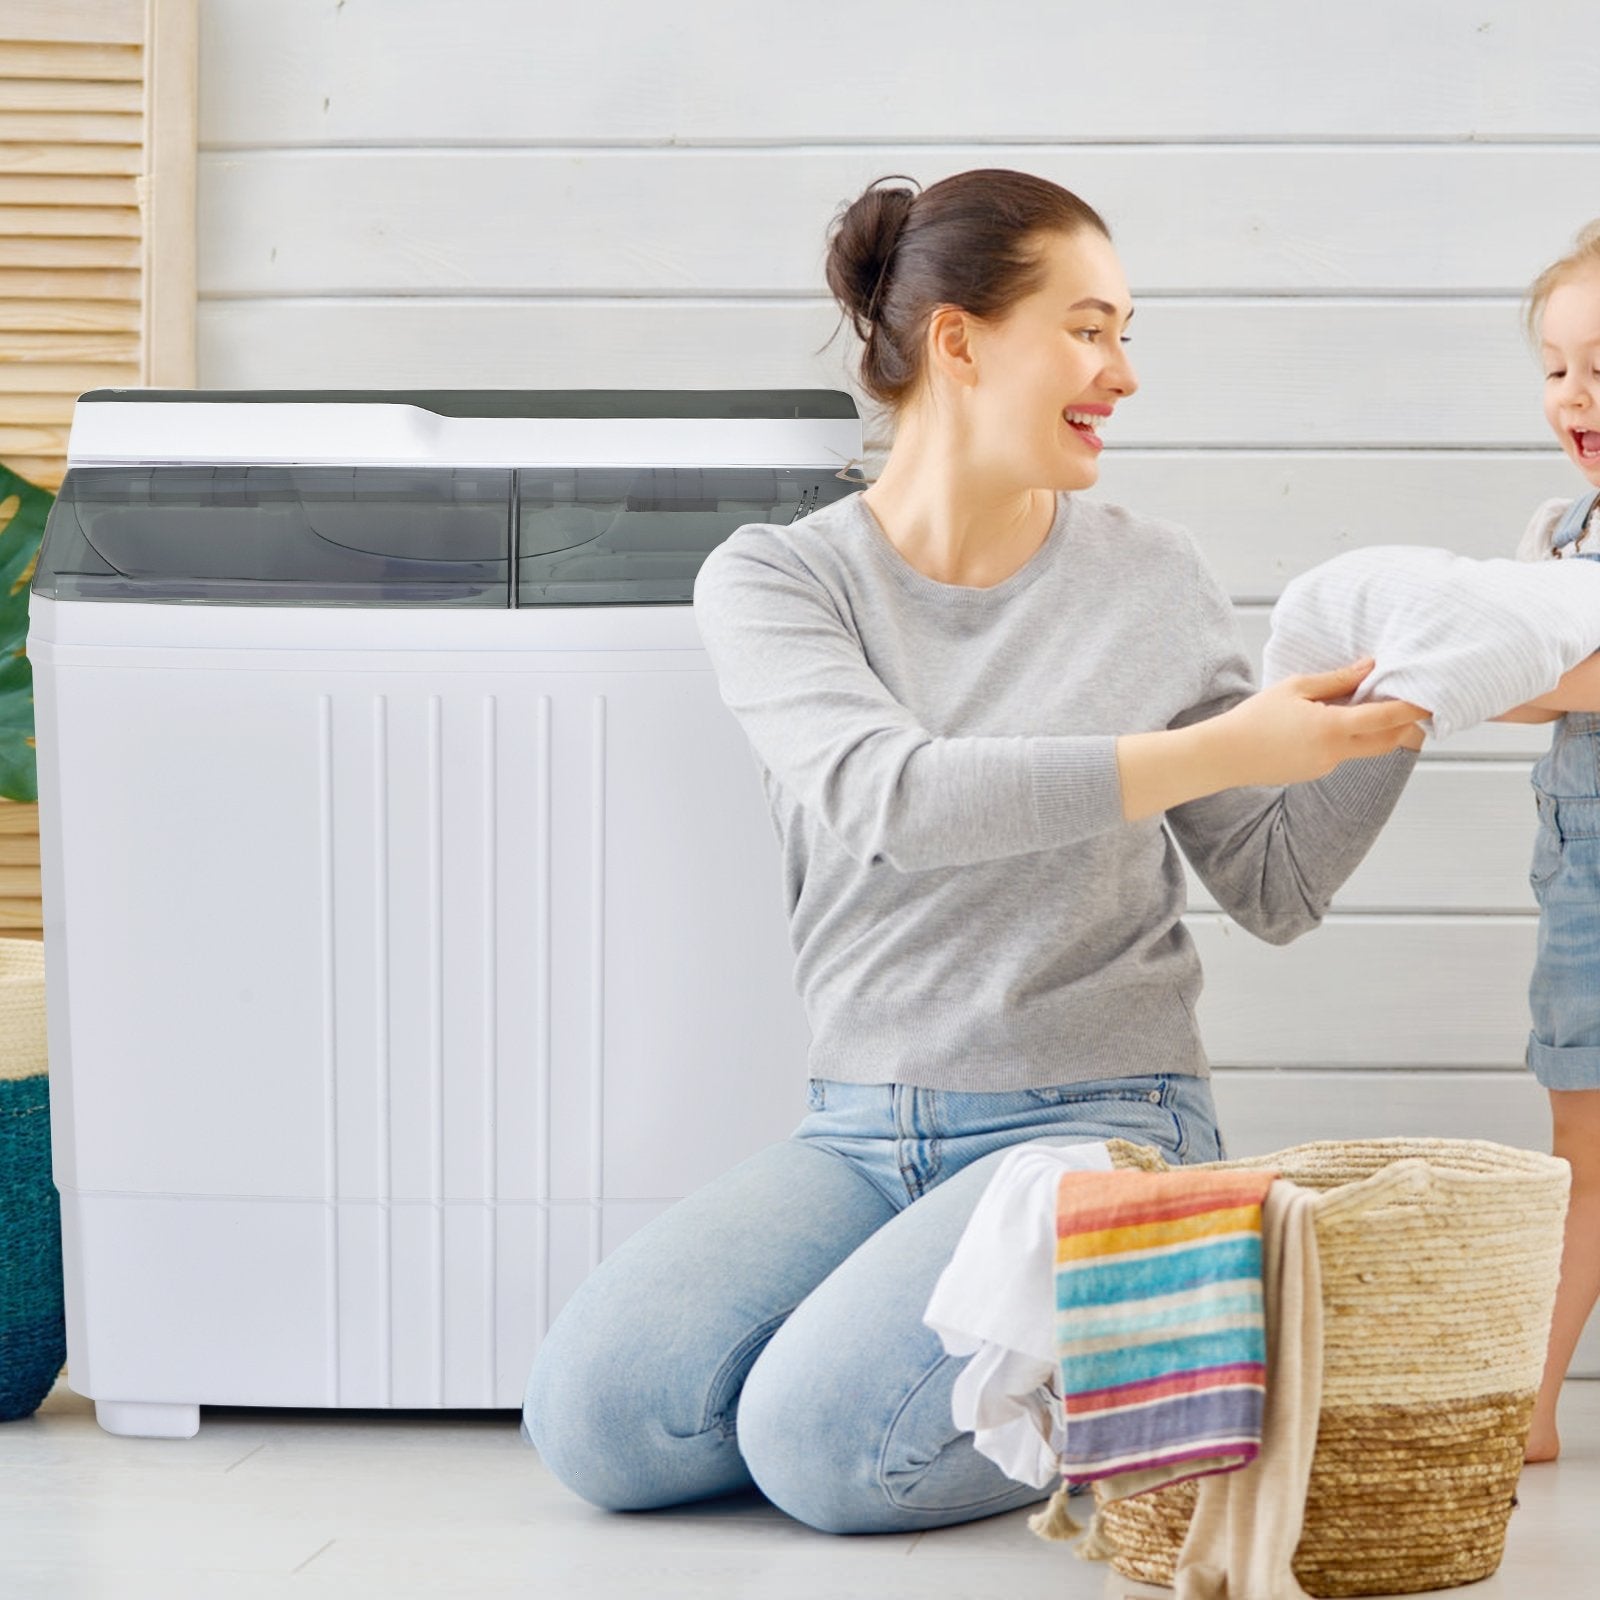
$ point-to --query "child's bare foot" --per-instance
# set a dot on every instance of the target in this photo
(1544, 1443)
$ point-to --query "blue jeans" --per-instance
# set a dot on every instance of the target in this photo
(768, 1329)
(1564, 992)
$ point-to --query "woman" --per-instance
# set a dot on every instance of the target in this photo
(975, 698)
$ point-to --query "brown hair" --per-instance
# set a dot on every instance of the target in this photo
(1584, 256)
(895, 255)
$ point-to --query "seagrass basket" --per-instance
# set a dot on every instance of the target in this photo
(1439, 1264)
(32, 1327)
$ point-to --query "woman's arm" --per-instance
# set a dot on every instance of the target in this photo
(1274, 857)
(792, 670)
(829, 731)
(1285, 734)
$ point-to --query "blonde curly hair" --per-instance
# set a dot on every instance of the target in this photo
(1584, 256)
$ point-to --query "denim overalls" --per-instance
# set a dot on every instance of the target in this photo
(1564, 994)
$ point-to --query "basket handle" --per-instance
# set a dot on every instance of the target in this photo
(1404, 1179)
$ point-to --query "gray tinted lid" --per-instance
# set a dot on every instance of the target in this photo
(524, 402)
(638, 536)
(411, 536)
(407, 536)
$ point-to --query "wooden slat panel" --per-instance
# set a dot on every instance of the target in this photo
(1186, 219)
(71, 130)
(20, 919)
(18, 439)
(1371, 992)
(45, 408)
(36, 345)
(52, 254)
(18, 821)
(45, 471)
(82, 284)
(100, 222)
(1459, 840)
(36, 189)
(19, 882)
(76, 127)
(168, 264)
(842, 72)
(69, 94)
(69, 316)
(1292, 374)
(64, 379)
(91, 21)
(96, 160)
(21, 915)
(108, 63)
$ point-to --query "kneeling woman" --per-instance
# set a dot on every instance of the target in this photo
(975, 698)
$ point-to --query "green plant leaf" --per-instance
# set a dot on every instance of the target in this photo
(23, 508)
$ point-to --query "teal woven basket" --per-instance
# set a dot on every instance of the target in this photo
(33, 1337)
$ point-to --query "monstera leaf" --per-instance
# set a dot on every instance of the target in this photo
(22, 512)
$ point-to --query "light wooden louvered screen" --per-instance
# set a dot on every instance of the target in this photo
(97, 255)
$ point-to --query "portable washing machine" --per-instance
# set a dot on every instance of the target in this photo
(413, 918)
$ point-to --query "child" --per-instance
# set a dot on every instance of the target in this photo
(1563, 318)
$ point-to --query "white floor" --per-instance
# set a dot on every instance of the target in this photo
(312, 1506)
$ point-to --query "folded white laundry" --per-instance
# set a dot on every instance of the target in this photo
(995, 1302)
(1465, 639)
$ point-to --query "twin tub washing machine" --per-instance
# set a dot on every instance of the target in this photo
(413, 919)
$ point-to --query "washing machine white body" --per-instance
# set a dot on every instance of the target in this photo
(401, 961)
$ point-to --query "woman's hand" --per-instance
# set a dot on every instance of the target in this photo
(1290, 733)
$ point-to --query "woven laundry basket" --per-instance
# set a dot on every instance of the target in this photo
(32, 1326)
(1439, 1265)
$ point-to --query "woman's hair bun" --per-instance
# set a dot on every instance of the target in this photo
(861, 247)
(899, 252)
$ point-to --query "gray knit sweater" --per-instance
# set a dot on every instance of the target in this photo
(968, 909)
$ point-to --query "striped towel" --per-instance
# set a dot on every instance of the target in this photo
(1160, 1332)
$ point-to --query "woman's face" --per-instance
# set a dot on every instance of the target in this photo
(1569, 341)
(1049, 372)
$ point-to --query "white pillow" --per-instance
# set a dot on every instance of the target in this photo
(1466, 639)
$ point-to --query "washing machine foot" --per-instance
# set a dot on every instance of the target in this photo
(144, 1419)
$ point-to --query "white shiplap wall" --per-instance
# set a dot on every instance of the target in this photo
(1327, 214)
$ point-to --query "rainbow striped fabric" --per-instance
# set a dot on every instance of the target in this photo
(1159, 1325)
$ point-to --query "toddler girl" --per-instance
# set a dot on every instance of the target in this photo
(1563, 316)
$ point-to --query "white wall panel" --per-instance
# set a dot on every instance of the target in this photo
(1216, 373)
(1262, 516)
(1459, 840)
(1327, 222)
(318, 72)
(1362, 991)
(1270, 1108)
(1202, 219)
